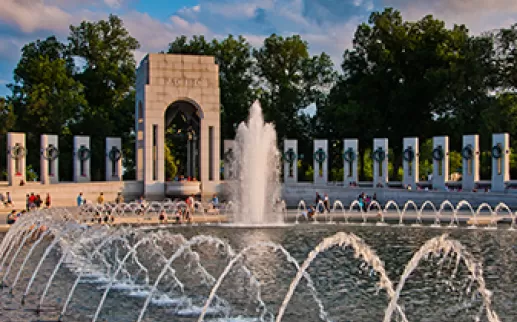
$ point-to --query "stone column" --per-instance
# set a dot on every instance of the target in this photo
(470, 156)
(189, 158)
(229, 150)
(410, 159)
(82, 157)
(290, 161)
(16, 158)
(380, 163)
(113, 159)
(320, 161)
(500, 161)
(440, 162)
(195, 154)
(350, 157)
(49, 159)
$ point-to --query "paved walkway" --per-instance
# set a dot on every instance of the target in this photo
(392, 217)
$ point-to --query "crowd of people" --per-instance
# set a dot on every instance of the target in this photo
(32, 201)
(322, 204)
(181, 215)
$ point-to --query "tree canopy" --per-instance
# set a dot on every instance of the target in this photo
(399, 78)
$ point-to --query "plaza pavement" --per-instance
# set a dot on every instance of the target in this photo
(372, 217)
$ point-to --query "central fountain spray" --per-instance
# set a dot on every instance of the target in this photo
(254, 185)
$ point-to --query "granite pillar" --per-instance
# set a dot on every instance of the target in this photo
(500, 161)
(380, 163)
(49, 159)
(350, 160)
(82, 159)
(113, 159)
(440, 157)
(320, 161)
(470, 162)
(290, 160)
(410, 159)
(16, 158)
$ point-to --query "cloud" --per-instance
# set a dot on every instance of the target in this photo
(327, 25)
(477, 15)
(33, 15)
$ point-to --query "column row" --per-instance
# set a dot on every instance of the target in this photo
(49, 158)
(440, 156)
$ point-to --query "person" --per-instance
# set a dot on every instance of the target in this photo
(360, 199)
(326, 203)
(190, 203)
(215, 201)
(318, 198)
(8, 200)
(141, 206)
(11, 218)
(38, 201)
(27, 202)
(48, 201)
(100, 198)
(162, 217)
(80, 199)
(2, 198)
(311, 212)
(178, 216)
(119, 199)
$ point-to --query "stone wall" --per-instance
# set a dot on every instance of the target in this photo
(65, 194)
(292, 194)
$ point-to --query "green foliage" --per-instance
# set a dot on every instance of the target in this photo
(400, 78)
(31, 174)
(233, 56)
(170, 165)
(290, 80)
(108, 77)
(7, 116)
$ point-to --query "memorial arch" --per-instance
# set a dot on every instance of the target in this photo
(169, 87)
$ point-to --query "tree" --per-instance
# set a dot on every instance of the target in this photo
(45, 96)
(506, 57)
(398, 73)
(290, 80)
(233, 56)
(198, 45)
(170, 165)
(108, 77)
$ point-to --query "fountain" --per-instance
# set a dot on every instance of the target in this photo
(255, 185)
(61, 265)
(78, 265)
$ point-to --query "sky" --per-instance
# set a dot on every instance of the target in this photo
(327, 25)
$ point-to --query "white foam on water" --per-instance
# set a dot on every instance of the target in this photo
(195, 311)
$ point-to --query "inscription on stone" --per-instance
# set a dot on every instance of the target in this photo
(186, 82)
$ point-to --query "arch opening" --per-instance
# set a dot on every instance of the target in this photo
(182, 121)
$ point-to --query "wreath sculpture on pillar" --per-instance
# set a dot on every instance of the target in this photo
(320, 156)
(438, 153)
(467, 153)
(18, 152)
(379, 155)
(114, 155)
(84, 154)
(289, 156)
(409, 154)
(349, 155)
(497, 151)
(51, 153)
